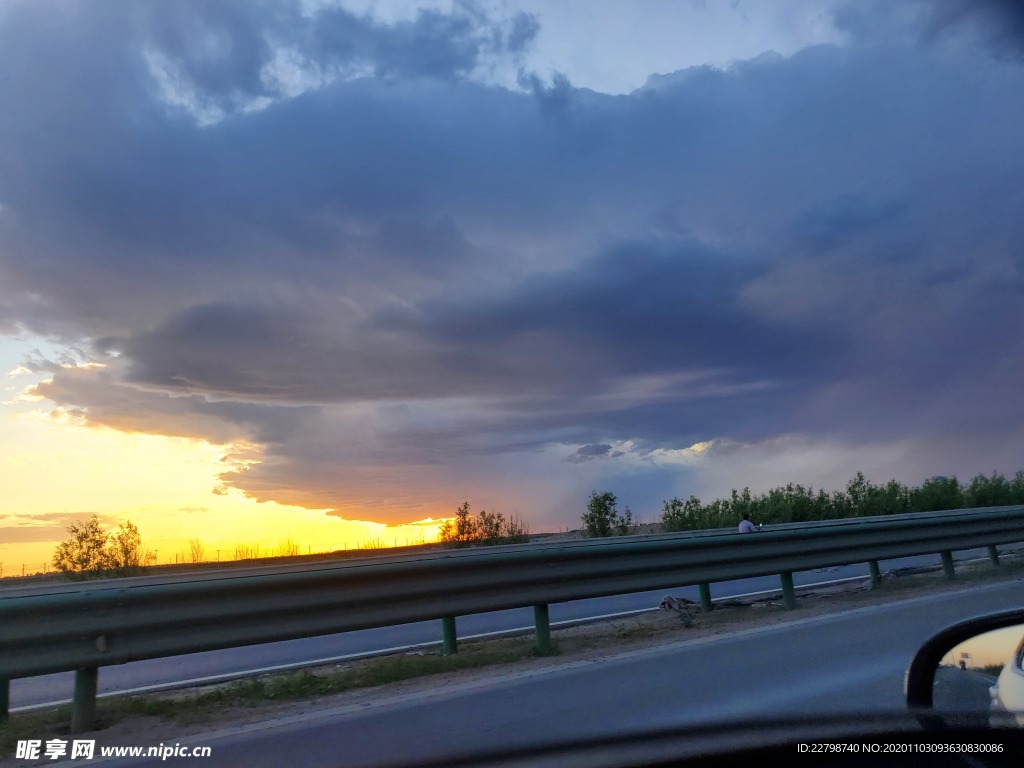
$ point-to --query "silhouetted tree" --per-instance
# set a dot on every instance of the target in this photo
(91, 551)
(124, 549)
(488, 528)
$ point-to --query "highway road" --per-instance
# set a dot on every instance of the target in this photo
(178, 671)
(848, 662)
(958, 690)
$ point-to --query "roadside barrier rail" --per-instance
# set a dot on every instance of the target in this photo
(108, 622)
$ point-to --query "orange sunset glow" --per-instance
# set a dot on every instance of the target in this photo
(55, 469)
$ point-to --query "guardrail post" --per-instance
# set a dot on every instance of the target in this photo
(543, 628)
(83, 705)
(451, 644)
(993, 554)
(788, 594)
(876, 575)
(705, 598)
(5, 698)
(947, 565)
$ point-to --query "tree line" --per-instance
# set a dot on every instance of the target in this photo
(794, 503)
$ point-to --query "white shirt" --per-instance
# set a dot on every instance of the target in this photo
(747, 527)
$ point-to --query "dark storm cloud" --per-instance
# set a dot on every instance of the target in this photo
(286, 354)
(635, 311)
(640, 308)
(589, 453)
(999, 24)
(435, 44)
(403, 269)
(98, 398)
(842, 220)
(132, 182)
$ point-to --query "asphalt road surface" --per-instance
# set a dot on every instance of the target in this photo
(842, 663)
(962, 690)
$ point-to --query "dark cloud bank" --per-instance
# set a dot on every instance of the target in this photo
(381, 269)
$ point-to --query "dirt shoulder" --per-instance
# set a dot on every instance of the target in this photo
(173, 716)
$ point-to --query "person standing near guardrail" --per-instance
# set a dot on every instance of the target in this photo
(746, 526)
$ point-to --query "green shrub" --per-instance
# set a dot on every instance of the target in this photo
(602, 517)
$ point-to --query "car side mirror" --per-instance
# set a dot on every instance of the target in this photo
(974, 666)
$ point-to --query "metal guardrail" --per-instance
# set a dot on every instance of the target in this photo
(111, 623)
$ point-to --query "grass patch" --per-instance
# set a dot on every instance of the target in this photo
(1008, 565)
(634, 629)
(32, 725)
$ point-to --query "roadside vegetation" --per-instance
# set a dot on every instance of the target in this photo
(795, 503)
(602, 517)
(486, 529)
(92, 552)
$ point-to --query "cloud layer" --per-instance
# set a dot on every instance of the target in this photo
(330, 237)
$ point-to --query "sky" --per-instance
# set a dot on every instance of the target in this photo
(321, 271)
(996, 647)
